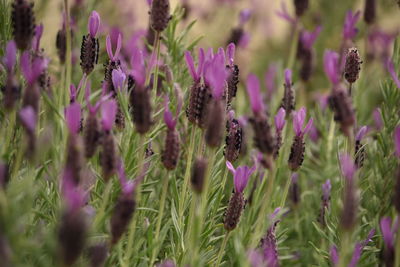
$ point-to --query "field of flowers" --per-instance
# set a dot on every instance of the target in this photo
(258, 133)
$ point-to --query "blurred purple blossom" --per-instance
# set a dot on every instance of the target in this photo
(138, 67)
(32, 70)
(347, 166)
(118, 78)
(377, 119)
(326, 191)
(108, 113)
(390, 68)
(111, 55)
(387, 232)
(241, 176)
(331, 66)
(361, 133)
(168, 117)
(359, 248)
(244, 16)
(284, 14)
(253, 89)
(37, 37)
(28, 118)
(314, 133)
(349, 27)
(308, 38)
(73, 117)
(298, 122)
(334, 255)
(10, 56)
(270, 77)
(280, 119)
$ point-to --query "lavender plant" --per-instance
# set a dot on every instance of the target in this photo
(101, 166)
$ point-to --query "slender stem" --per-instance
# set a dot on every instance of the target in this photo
(331, 137)
(67, 52)
(60, 95)
(101, 213)
(192, 233)
(159, 219)
(132, 227)
(293, 47)
(285, 192)
(397, 251)
(222, 249)
(187, 175)
(344, 247)
(264, 208)
(17, 162)
(298, 223)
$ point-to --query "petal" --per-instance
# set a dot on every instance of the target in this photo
(244, 16)
(118, 78)
(253, 89)
(280, 119)
(386, 230)
(38, 37)
(270, 77)
(108, 113)
(393, 73)
(361, 133)
(308, 126)
(168, 118)
(26, 65)
(109, 47)
(347, 166)
(94, 23)
(190, 64)
(331, 66)
(200, 64)
(10, 56)
(230, 167)
(73, 117)
(377, 119)
(230, 53)
(288, 77)
(119, 45)
(28, 118)
(334, 255)
(138, 68)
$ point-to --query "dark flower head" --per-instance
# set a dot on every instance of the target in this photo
(352, 65)
(23, 23)
(159, 15)
(370, 11)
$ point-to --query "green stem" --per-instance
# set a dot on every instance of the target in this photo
(344, 249)
(158, 49)
(331, 137)
(101, 213)
(132, 227)
(264, 208)
(159, 219)
(397, 251)
(285, 192)
(187, 176)
(67, 52)
(222, 249)
(293, 47)
(17, 162)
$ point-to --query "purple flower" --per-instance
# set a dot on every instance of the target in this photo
(127, 186)
(387, 232)
(334, 255)
(32, 70)
(73, 117)
(288, 77)
(28, 118)
(244, 16)
(390, 68)
(326, 191)
(298, 121)
(37, 37)
(111, 55)
(93, 24)
(230, 53)
(284, 14)
(361, 133)
(379, 43)
(308, 38)
(347, 166)
(253, 89)
(196, 74)
(216, 74)
(280, 119)
(313, 133)
(349, 29)
(376, 115)
(166, 263)
(138, 67)
(240, 176)
(10, 56)
(95, 108)
(168, 117)
(108, 112)
(359, 248)
(74, 197)
(118, 78)
(255, 258)
(331, 66)
(397, 141)
(270, 77)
